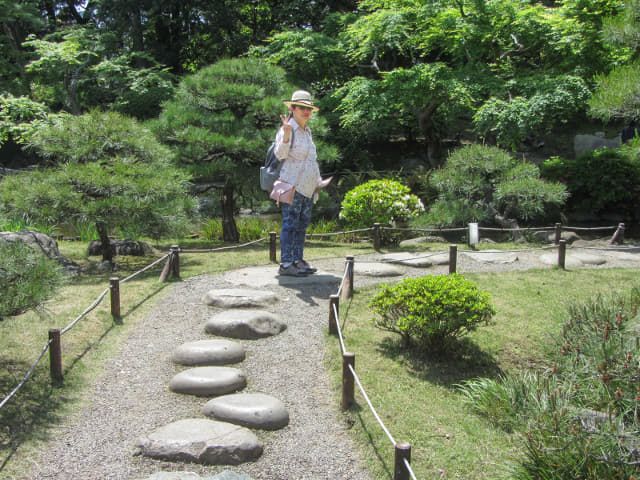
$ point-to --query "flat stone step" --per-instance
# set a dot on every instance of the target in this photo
(573, 259)
(213, 352)
(239, 298)
(377, 269)
(224, 475)
(410, 259)
(202, 441)
(207, 381)
(492, 256)
(246, 324)
(253, 410)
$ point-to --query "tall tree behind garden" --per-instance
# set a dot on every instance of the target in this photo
(105, 169)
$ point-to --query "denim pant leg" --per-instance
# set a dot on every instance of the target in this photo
(295, 220)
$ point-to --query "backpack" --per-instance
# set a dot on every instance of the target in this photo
(270, 172)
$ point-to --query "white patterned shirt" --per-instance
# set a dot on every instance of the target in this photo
(300, 166)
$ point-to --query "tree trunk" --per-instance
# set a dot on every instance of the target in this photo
(229, 229)
(504, 222)
(105, 242)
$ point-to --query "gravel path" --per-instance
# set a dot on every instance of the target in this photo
(132, 397)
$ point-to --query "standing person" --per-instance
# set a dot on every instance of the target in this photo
(299, 168)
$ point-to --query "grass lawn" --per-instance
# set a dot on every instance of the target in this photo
(415, 394)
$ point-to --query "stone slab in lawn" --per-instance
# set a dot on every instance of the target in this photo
(209, 352)
(492, 256)
(573, 259)
(253, 410)
(239, 298)
(415, 259)
(247, 324)
(376, 269)
(206, 381)
(203, 441)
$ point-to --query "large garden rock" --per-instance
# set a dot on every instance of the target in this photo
(239, 298)
(246, 324)
(201, 441)
(209, 353)
(123, 247)
(206, 381)
(253, 410)
(41, 243)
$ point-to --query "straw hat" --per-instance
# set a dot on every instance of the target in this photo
(302, 98)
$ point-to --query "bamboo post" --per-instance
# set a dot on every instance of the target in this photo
(376, 236)
(348, 359)
(453, 258)
(618, 236)
(175, 264)
(55, 355)
(402, 452)
(272, 246)
(347, 292)
(562, 253)
(558, 233)
(333, 320)
(115, 297)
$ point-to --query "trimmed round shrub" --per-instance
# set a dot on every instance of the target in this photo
(431, 310)
(386, 202)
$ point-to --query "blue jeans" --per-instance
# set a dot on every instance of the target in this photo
(295, 220)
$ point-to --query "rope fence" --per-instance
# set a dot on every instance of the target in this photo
(172, 268)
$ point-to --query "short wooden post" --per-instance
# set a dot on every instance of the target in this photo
(618, 236)
(166, 270)
(334, 300)
(453, 258)
(55, 355)
(558, 233)
(562, 253)
(347, 291)
(348, 381)
(402, 452)
(175, 264)
(115, 297)
(376, 236)
(272, 247)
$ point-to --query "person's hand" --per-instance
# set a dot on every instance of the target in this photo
(286, 128)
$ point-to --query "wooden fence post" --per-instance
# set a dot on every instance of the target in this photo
(348, 381)
(272, 246)
(403, 451)
(333, 317)
(166, 270)
(175, 264)
(55, 355)
(562, 253)
(115, 297)
(453, 258)
(558, 233)
(376, 236)
(618, 236)
(347, 291)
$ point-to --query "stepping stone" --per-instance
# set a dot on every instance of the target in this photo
(246, 324)
(225, 475)
(377, 269)
(422, 240)
(201, 441)
(208, 352)
(238, 298)
(418, 260)
(205, 381)
(573, 260)
(492, 256)
(253, 410)
(263, 276)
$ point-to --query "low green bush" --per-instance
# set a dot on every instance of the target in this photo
(431, 310)
(27, 278)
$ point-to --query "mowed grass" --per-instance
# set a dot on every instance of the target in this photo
(416, 394)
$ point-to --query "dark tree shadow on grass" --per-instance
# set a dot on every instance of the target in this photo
(449, 365)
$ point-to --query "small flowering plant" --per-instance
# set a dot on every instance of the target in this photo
(386, 202)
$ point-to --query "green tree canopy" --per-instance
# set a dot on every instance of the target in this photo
(105, 169)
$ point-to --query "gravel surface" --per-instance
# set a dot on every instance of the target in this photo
(132, 397)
